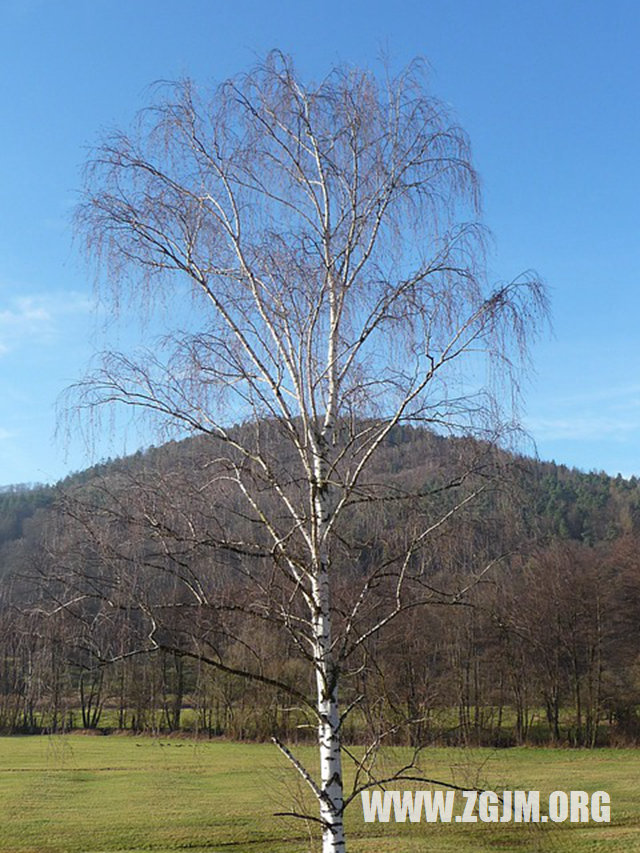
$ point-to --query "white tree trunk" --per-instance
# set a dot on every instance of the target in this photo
(327, 676)
(331, 801)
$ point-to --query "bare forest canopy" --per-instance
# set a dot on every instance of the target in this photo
(539, 648)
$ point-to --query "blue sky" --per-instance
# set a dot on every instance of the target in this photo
(548, 92)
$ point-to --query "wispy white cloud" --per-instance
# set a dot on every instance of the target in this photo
(627, 394)
(583, 426)
(608, 414)
(37, 318)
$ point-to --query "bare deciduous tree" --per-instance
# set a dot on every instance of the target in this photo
(327, 235)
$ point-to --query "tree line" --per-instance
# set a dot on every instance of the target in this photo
(540, 649)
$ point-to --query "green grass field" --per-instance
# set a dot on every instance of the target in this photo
(79, 794)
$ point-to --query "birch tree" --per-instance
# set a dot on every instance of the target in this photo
(319, 249)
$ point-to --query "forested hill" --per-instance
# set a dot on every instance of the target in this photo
(19, 503)
(566, 503)
(585, 507)
(544, 561)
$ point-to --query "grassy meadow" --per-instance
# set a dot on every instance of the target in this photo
(82, 794)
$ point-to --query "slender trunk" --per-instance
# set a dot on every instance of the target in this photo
(122, 704)
(577, 691)
(331, 802)
(594, 681)
(331, 789)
